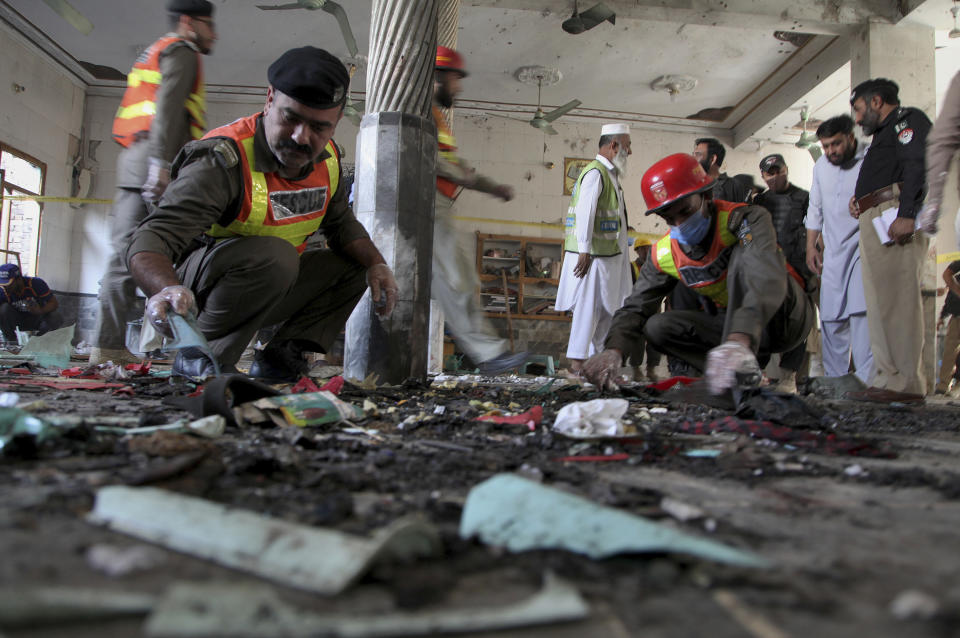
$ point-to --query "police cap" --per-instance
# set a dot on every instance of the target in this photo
(311, 76)
(201, 8)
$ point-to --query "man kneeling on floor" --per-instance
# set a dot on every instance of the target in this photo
(724, 251)
(227, 239)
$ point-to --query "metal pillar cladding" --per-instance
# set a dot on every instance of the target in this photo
(395, 189)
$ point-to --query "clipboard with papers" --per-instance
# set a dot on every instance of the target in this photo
(881, 223)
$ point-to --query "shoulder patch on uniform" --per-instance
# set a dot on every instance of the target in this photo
(905, 136)
(899, 126)
(225, 150)
(736, 218)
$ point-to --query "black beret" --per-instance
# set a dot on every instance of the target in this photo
(202, 8)
(311, 76)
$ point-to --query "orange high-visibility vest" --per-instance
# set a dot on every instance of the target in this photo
(707, 276)
(139, 103)
(272, 205)
(447, 148)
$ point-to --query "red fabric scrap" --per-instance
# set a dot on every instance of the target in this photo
(125, 391)
(19, 371)
(531, 418)
(666, 384)
(305, 384)
(334, 385)
(828, 443)
(138, 369)
(594, 459)
(79, 373)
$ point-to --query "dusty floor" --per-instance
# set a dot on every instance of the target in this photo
(855, 505)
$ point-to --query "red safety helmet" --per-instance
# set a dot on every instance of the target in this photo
(672, 178)
(450, 60)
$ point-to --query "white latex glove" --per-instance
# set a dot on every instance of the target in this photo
(928, 217)
(724, 363)
(383, 288)
(158, 176)
(178, 299)
(602, 368)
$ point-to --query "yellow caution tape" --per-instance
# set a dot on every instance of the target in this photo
(647, 237)
(49, 198)
(944, 257)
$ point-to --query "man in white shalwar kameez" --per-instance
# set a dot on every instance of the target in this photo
(843, 309)
(595, 278)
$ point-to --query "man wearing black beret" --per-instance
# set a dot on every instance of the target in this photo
(163, 108)
(228, 237)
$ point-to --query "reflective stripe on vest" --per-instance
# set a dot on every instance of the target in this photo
(447, 149)
(606, 223)
(273, 206)
(138, 107)
(707, 276)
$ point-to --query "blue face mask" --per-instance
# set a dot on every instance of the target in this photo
(692, 230)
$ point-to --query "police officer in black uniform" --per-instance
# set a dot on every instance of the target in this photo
(892, 176)
(787, 205)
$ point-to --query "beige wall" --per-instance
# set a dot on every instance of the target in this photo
(513, 152)
(39, 122)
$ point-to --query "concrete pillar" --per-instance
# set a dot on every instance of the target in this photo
(396, 157)
(905, 54)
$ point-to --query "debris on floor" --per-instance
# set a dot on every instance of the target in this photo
(521, 515)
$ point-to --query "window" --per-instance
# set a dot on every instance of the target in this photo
(20, 175)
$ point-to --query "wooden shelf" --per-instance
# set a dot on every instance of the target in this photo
(548, 317)
(538, 247)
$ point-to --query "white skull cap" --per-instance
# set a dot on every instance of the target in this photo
(615, 129)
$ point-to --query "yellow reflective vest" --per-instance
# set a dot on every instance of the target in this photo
(606, 223)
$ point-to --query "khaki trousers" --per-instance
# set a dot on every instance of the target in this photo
(891, 285)
(951, 344)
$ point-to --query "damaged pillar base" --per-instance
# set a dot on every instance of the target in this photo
(394, 201)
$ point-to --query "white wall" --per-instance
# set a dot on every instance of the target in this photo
(513, 152)
(39, 122)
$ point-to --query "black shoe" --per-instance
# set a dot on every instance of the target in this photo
(283, 362)
(192, 363)
(503, 362)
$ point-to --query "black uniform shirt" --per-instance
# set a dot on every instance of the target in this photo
(952, 305)
(729, 189)
(896, 155)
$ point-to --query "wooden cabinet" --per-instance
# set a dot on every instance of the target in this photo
(532, 269)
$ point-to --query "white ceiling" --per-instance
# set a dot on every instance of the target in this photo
(728, 46)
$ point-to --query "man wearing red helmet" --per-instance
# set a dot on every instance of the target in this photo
(724, 251)
(454, 276)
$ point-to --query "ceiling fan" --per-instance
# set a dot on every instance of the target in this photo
(807, 140)
(71, 15)
(580, 22)
(330, 7)
(542, 76)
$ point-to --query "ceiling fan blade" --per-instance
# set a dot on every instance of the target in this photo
(505, 117)
(71, 15)
(337, 11)
(542, 124)
(281, 7)
(562, 110)
(596, 14)
(815, 152)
